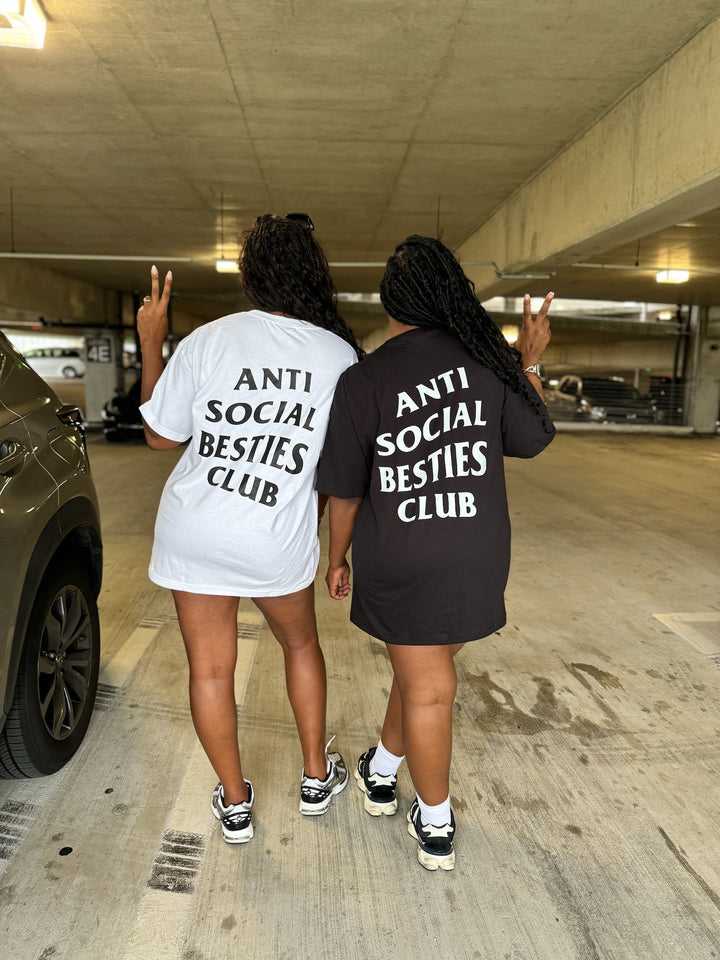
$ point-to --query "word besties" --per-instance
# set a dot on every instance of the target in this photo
(440, 461)
(271, 411)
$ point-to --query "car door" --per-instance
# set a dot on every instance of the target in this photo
(28, 494)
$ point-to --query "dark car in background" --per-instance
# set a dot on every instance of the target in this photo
(50, 574)
(121, 417)
(599, 400)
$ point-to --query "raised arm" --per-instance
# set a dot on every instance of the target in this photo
(152, 325)
(534, 336)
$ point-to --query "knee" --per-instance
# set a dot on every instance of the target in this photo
(429, 691)
(300, 642)
(215, 673)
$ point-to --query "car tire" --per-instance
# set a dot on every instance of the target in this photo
(58, 675)
(70, 373)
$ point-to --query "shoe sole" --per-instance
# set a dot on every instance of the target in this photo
(233, 836)
(246, 837)
(317, 809)
(372, 807)
(431, 861)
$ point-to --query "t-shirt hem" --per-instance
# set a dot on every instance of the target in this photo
(238, 590)
(428, 641)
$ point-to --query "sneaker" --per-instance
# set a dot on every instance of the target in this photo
(315, 795)
(379, 791)
(235, 818)
(435, 844)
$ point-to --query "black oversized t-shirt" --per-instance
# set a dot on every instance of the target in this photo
(419, 430)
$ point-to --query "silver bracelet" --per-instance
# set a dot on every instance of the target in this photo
(533, 368)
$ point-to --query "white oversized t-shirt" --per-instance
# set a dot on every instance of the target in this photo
(238, 515)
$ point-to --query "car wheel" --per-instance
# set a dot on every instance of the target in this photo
(70, 373)
(58, 675)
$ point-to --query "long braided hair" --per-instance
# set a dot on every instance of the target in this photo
(284, 269)
(424, 286)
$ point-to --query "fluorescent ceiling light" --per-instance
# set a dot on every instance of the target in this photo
(672, 276)
(22, 24)
(227, 266)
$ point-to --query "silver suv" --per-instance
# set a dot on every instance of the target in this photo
(50, 574)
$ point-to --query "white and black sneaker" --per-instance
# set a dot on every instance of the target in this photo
(435, 844)
(379, 799)
(315, 795)
(235, 818)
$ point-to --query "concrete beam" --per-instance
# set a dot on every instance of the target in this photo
(652, 161)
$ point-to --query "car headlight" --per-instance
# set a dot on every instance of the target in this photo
(598, 413)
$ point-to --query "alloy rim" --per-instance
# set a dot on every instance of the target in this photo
(65, 662)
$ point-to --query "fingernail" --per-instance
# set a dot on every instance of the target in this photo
(153, 269)
(169, 273)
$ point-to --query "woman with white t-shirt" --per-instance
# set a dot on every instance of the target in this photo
(238, 517)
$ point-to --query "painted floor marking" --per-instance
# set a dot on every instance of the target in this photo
(163, 917)
(117, 671)
(682, 625)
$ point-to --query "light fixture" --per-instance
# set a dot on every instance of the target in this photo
(227, 266)
(22, 24)
(511, 334)
(665, 315)
(672, 276)
(223, 265)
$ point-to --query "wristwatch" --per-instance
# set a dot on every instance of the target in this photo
(533, 368)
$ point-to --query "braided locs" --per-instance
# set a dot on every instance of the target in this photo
(424, 286)
(284, 269)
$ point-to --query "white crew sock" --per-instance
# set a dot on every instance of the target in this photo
(438, 815)
(384, 763)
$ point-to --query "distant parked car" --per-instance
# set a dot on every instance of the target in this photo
(599, 400)
(50, 575)
(56, 362)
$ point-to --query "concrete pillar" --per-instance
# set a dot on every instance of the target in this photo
(103, 361)
(704, 375)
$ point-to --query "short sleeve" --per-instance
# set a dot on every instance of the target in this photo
(525, 431)
(346, 460)
(169, 410)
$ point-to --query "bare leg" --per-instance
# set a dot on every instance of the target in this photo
(392, 731)
(426, 683)
(209, 628)
(292, 621)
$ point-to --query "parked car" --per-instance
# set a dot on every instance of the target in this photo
(121, 416)
(599, 400)
(56, 362)
(50, 574)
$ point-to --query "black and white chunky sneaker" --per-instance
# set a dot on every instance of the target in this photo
(435, 844)
(315, 795)
(379, 799)
(235, 818)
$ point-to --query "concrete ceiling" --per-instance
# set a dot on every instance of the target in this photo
(379, 118)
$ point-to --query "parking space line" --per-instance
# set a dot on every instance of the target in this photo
(117, 671)
(163, 916)
(682, 625)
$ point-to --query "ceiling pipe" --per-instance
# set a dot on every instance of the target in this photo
(646, 269)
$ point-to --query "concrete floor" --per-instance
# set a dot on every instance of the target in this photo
(585, 774)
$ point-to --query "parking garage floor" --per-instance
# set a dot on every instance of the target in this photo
(585, 773)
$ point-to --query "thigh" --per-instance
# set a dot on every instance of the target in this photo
(209, 629)
(292, 617)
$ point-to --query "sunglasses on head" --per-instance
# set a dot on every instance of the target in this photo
(302, 218)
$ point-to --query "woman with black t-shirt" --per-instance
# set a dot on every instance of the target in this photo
(413, 464)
